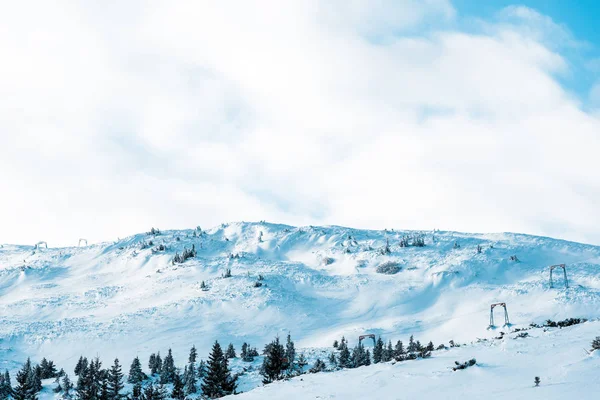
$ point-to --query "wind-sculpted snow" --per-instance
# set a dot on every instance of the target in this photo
(127, 298)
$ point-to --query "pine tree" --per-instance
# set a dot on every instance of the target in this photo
(152, 364)
(37, 379)
(290, 350)
(168, 369)
(104, 395)
(430, 347)
(160, 392)
(136, 392)
(378, 351)
(178, 393)
(136, 375)
(44, 367)
(388, 352)
(596, 343)
(149, 392)
(201, 369)
(5, 386)
(159, 363)
(115, 381)
(230, 353)
(344, 358)
(67, 386)
(81, 364)
(189, 376)
(335, 344)
(359, 356)
(367, 358)
(412, 346)
(274, 362)
(319, 366)
(218, 381)
(23, 390)
(399, 350)
(302, 361)
(537, 381)
(332, 359)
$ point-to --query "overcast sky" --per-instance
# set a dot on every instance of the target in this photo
(121, 115)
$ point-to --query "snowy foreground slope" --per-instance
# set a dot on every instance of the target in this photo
(123, 299)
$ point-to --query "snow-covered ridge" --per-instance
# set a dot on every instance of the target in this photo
(127, 298)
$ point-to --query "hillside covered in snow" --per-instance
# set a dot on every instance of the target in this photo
(137, 296)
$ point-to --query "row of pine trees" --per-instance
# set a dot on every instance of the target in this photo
(212, 378)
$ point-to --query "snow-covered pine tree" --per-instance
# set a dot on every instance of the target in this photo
(67, 386)
(378, 351)
(332, 359)
(149, 392)
(302, 361)
(230, 353)
(274, 363)
(367, 358)
(412, 346)
(399, 350)
(388, 352)
(430, 347)
(136, 392)
(23, 390)
(37, 378)
(218, 381)
(596, 343)
(335, 344)
(81, 364)
(319, 366)
(189, 376)
(152, 364)
(5, 386)
(290, 351)
(136, 375)
(201, 369)
(115, 381)
(178, 391)
(168, 370)
(344, 357)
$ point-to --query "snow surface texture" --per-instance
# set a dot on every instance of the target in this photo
(122, 300)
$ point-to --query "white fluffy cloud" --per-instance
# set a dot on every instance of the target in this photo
(383, 114)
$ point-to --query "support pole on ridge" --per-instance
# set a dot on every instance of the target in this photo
(564, 268)
(506, 320)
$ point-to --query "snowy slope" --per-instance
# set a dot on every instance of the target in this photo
(117, 299)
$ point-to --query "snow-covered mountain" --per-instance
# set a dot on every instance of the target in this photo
(128, 298)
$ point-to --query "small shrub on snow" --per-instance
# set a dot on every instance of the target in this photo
(319, 366)
(388, 268)
(464, 365)
(596, 343)
(537, 381)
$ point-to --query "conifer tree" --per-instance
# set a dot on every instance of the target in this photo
(274, 362)
(378, 351)
(344, 357)
(412, 346)
(430, 347)
(178, 392)
(189, 376)
(136, 392)
(399, 350)
(81, 364)
(5, 386)
(332, 359)
(149, 392)
(168, 369)
(388, 352)
(24, 390)
(136, 375)
(290, 350)
(230, 353)
(37, 378)
(152, 364)
(302, 361)
(218, 381)
(115, 381)
(335, 344)
(67, 386)
(201, 369)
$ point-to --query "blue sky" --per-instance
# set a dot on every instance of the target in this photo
(580, 17)
(478, 116)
